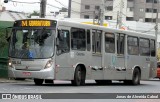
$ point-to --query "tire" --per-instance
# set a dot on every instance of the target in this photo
(38, 81)
(79, 77)
(103, 82)
(135, 78)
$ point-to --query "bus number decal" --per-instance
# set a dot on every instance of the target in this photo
(24, 23)
(113, 60)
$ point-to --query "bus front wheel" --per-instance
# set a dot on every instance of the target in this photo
(38, 81)
(79, 77)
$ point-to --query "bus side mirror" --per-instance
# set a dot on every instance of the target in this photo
(8, 36)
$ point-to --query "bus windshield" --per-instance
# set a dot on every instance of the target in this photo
(32, 43)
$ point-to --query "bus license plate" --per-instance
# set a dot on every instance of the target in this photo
(27, 73)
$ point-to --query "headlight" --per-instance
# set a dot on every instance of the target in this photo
(49, 64)
(10, 64)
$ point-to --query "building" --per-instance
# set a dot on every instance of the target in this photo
(137, 15)
(2, 8)
(11, 16)
(131, 10)
(63, 13)
(0, 5)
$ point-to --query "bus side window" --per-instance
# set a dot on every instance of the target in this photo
(63, 36)
(88, 40)
(152, 48)
(144, 47)
(78, 39)
(133, 46)
(120, 44)
(109, 43)
(96, 41)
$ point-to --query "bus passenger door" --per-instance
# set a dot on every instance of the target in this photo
(120, 60)
(62, 70)
(97, 70)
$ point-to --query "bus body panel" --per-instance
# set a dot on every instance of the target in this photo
(96, 67)
(28, 69)
(103, 66)
(153, 70)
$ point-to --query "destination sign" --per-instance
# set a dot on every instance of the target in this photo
(35, 23)
(31, 23)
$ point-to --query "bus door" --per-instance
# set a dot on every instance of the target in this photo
(62, 54)
(120, 60)
(153, 60)
(97, 70)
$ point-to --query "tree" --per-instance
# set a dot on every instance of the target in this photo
(63, 10)
(35, 13)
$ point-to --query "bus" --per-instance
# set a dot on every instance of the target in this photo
(47, 49)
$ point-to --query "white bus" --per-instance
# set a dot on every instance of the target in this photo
(46, 50)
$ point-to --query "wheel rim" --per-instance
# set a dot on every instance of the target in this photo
(136, 77)
(79, 75)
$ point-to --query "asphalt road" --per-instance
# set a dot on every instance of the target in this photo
(151, 86)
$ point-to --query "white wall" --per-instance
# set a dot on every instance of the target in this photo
(11, 16)
(4, 16)
(150, 15)
(75, 9)
(62, 14)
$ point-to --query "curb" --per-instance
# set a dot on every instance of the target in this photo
(8, 80)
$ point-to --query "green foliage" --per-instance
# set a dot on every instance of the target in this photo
(63, 10)
(35, 13)
(3, 41)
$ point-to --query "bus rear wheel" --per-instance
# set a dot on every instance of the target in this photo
(38, 81)
(135, 78)
(79, 77)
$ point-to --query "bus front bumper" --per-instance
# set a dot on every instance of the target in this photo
(42, 74)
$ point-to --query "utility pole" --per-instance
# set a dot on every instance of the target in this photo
(120, 14)
(94, 15)
(102, 12)
(156, 25)
(69, 8)
(156, 28)
(43, 4)
(117, 20)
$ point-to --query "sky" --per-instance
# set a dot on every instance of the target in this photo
(29, 8)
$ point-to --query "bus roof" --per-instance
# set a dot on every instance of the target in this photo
(89, 26)
(71, 23)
